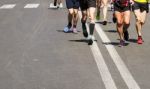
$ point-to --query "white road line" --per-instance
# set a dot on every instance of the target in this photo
(32, 6)
(126, 75)
(8, 6)
(103, 69)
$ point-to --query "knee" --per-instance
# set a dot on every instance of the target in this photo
(127, 23)
(119, 24)
(71, 12)
(84, 17)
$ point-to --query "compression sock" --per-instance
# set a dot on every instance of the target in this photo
(92, 27)
(69, 25)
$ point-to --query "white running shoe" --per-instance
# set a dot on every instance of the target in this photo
(60, 5)
(74, 30)
(52, 5)
(90, 37)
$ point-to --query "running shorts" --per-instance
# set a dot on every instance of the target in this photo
(141, 6)
(72, 4)
(85, 4)
(121, 8)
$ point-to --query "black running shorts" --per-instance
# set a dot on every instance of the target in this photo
(72, 4)
(121, 8)
(85, 4)
(141, 6)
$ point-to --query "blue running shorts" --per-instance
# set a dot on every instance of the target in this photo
(72, 4)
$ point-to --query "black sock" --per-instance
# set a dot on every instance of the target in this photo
(74, 26)
(55, 2)
(92, 27)
(69, 25)
(83, 25)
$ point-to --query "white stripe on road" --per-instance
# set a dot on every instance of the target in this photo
(8, 6)
(126, 75)
(103, 69)
(32, 6)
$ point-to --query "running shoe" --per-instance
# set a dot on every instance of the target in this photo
(90, 42)
(52, 5)
(90, 39)
(74, 30)
(60, 5)
(104, 22)
(122, 43)
(126, 35)
(139, 41)
(66, 29)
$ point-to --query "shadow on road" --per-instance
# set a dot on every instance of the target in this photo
(114, 43)
(101, 22)
(112, 31)
(133, 40)
(81, 40)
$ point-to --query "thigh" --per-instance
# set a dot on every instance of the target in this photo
(91, 11)
(143, 16)
(105, 2)
(119, 17)
(126, 17)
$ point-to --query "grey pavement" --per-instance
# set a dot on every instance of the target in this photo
(35, 53)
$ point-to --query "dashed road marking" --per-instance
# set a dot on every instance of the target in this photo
(32, 6)
(8, 6)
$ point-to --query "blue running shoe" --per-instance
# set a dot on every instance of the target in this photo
(66, 29)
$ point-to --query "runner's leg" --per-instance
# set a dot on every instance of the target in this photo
(105, 8)
(119, 25)
(75, 20)
(126, 24)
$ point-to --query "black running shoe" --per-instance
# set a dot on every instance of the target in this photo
(126, 35)
(90, 42)
(104, 22)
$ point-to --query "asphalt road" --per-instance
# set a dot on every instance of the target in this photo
(35, 53)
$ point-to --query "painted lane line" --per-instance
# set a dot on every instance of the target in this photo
(32, 6)
(126, 75)
(102, 67)
(8, 6)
